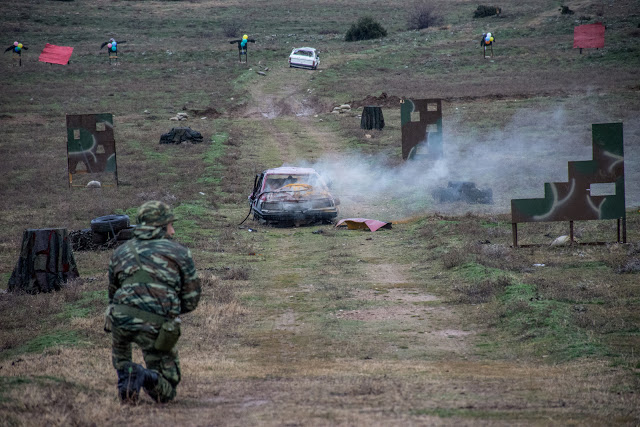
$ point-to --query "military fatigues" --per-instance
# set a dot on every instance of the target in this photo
(156, 275)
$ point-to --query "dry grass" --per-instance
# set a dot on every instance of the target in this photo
(480, 292)
(454, 258)
(499, 256)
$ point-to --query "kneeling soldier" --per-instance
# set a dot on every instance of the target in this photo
(152, 280)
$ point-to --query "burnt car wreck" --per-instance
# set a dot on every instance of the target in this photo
(291, 195)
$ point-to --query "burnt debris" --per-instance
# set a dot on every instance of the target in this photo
(462, 191)
(180, 135)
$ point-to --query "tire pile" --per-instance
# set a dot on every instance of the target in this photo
(106, 232)
(82, 240)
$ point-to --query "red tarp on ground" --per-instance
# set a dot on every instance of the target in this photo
(363, 224)
(588, 36)
(56, 54)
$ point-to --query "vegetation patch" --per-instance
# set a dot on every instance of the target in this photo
(484, 11)
(59, 338)
(365, 29)
(423, 15)
(472, 271)
(86, 305)
(544, 327)
(477, 292)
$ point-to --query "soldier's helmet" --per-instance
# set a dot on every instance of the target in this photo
(155, 213)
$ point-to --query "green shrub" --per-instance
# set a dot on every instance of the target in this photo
(483, 11)
(564, 10)
(366, 28)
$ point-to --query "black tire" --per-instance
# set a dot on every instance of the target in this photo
(109, 224)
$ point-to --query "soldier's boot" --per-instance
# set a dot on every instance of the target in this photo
(153, 387)
(150, 380)
(130, 380)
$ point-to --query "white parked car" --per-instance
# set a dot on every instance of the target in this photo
(304, 57)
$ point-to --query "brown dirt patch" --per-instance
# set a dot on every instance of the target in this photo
(383, 100)
(386, 274)
(452, 333)
(286, 321)
(208, 112)
(285, 104)
(408, 295)
(396, 312)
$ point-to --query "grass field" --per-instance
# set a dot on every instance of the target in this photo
(438, 321)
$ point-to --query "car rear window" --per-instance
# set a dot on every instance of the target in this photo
(303, 53)
(275, 181)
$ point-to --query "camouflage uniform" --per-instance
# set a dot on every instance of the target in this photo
(156, 275)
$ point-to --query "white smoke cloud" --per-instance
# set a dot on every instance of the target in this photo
(515, 162)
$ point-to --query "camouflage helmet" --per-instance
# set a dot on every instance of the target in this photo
(155, 213)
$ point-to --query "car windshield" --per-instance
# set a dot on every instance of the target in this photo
(303, 53)
(277, 181)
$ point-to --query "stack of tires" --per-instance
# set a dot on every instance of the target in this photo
(105, 228)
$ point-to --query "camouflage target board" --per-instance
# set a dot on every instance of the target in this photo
(421, 124)
(91, 147)
(578, 198)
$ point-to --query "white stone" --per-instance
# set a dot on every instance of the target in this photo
(561, 241)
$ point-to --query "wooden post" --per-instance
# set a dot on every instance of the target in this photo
(618, 241)
(571, 232)
(514, 231)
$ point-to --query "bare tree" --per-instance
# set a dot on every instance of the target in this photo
(423, 15)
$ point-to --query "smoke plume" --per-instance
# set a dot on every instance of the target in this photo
(514, 162)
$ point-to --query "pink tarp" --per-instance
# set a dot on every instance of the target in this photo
(588, 36)
(363, 223)
(56, 54)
